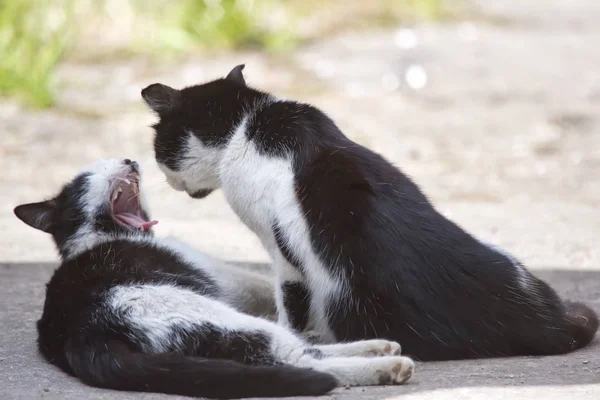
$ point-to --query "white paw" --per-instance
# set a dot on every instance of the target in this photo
(379, 348)
(395, 370)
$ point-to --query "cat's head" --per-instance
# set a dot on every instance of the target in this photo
(102, 201)
(195, 124)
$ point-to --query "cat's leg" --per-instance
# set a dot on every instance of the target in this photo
(362, 348)
(351, 371)
(247, 290)
(361, 371)
(293, 301)
(292, 297)
(166, 318)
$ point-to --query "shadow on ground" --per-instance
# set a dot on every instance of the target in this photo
(28, 376)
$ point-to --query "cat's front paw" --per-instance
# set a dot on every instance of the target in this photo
(395, 370)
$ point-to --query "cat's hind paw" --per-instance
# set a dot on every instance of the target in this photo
(395, 370)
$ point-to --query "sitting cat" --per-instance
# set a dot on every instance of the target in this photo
(129, 311)
(358, 250)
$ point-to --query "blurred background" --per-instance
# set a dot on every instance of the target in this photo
(491, 106)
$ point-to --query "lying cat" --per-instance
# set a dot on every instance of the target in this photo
(358, 250)
(129, 311)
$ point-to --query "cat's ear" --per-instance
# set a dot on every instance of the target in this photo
(236, 75)
(161, 98)
(38, 215)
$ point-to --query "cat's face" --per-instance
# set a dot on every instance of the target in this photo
(101, 200)
(194, 127)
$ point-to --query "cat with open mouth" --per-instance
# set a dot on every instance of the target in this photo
(125, 201)
(130, 311)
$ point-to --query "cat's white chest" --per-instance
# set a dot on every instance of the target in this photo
(257, 188)
(261, 190)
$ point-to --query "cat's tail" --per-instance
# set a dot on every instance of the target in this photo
(114, 366)
(583, 324)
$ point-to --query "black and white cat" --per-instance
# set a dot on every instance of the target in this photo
(126, 310)
(358, 250)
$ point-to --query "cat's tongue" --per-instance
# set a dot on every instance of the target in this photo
(136, 222)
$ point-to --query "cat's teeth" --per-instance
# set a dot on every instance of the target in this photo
(116, 193)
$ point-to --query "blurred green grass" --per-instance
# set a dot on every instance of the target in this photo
(32, 42)
(36, 35)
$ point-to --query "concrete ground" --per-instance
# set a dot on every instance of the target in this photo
(25, 375)
(497, 118)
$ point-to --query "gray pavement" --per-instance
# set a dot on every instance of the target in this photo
(25, 375)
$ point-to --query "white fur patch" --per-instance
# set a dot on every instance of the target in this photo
(261, 190)
(162, 312)
(156, 310)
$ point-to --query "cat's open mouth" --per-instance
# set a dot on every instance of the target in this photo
(125, 204)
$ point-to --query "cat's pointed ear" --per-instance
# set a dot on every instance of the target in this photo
(236, 75)
(38, 215)
(161, 98)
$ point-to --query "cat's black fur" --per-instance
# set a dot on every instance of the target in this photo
(102, 353)
(78, 334)
(414, 276)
